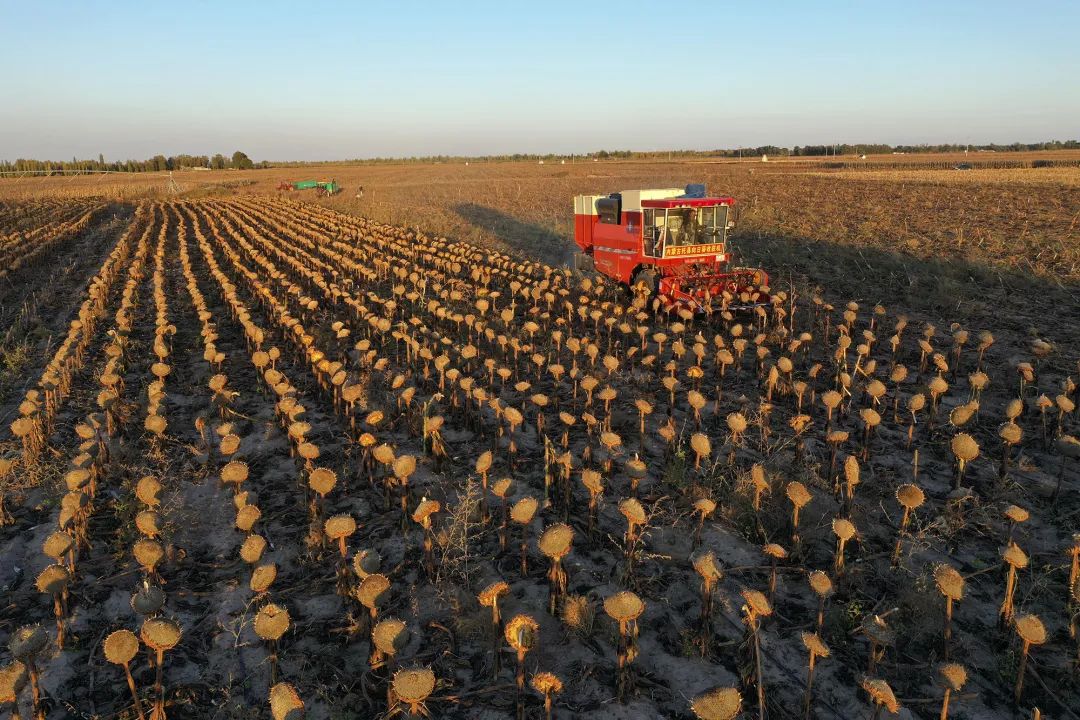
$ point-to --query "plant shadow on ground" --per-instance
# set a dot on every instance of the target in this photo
(530, 239)
(1012, 304)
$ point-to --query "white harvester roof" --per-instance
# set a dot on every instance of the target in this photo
(631, 199)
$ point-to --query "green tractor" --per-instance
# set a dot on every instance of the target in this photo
(324, 187)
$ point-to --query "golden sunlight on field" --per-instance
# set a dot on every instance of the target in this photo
(386, 452)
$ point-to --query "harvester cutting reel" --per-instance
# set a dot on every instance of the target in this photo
(738, 289)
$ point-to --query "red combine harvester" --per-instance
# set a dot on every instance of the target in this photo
(672, 242)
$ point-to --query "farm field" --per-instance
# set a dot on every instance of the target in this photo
(271, 454)
(952, 246)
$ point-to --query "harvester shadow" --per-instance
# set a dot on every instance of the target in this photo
(978, 295)
(530, 239)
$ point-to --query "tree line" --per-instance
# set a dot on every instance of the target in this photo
(240, 161)
(159, 163)
(770, 150)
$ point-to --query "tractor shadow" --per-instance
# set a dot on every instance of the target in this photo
(978, 295)
(529, 239)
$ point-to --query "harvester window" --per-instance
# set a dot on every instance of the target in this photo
(696, 226)
(653, 232)
(608, 210)
(679, 231)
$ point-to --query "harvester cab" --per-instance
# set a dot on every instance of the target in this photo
(671, 243)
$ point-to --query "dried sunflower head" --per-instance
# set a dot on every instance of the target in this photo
(148, 600)
(26, 642)
(366, 562)
(521, 632)
(121, 647)
(414, 685)
(815, 645)
(719, 704)
(524, 510)
(964, 447)
(13, 678)
(880, 692)
(322, 480)
(798, 494)
(285, 702)
(843, 528)
(820, 583)
(147, 490)
(373, 591)
(949, 582)
(148, 553)
(707, 566)
(263, 577)
(633, 511)
(876, 629)
(390, 636)
(636, 468)
(502, 487)
(624, 606)
(252, 549)
(736, 422)
(53, 579)
(491, 594)
(756, 604)
(271, 622)
(952, 676)
(234, 472)
(1017, 514)
(546, 683)
(592, 480)
(425, 510)
(1010, 433)
(160, 634)
(910, 496)
(148, 523)
(775, 551)
(1031, 629)
(556, 541)
(1014, 556)
(58, 544)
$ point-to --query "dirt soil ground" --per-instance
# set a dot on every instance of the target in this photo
(238, 275)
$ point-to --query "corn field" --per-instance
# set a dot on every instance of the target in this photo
(289, 462)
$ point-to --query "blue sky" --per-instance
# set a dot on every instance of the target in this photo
(311, 79)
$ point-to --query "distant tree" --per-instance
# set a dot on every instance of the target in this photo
(240, 161)
(218, 162)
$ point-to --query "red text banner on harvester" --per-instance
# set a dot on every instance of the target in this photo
(694, 250)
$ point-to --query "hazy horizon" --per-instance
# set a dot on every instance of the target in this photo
(328, 81)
